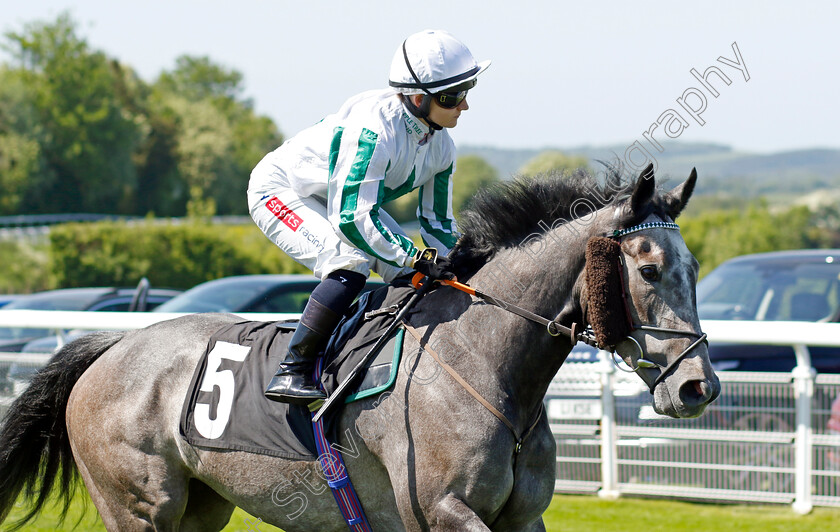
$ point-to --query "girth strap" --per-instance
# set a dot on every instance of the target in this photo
(472, 391)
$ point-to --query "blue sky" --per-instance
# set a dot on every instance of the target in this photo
(563, 75)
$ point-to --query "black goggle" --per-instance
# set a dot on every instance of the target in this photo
(454, 96)
(450, 100)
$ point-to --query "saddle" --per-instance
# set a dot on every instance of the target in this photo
(225, 407)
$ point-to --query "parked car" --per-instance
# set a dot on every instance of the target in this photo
(800, 285)
(5, 299)
(12, 339)
(250, 293)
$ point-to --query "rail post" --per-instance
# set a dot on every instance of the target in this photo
(609, 444)
(804, 376)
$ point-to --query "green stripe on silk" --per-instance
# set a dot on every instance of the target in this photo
(350, 199)
(440, 208)
(334, 146)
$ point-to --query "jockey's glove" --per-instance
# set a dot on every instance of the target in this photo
(433, 266)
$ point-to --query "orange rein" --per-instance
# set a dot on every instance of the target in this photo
(418, 277)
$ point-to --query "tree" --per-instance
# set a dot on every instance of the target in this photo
(553, 161)
(717, 236)
(252, 137)
(81, 132)
(473, 173)
(213, 139)
(20, 150)
(86, 133)
(198, 78)
(160, 189)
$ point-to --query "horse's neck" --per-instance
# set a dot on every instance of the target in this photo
(539, 277)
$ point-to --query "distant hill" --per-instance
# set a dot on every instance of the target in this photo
(720, 168)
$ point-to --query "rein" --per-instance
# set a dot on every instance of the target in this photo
(553, 327)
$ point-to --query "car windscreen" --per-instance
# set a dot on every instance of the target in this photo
(772, 291)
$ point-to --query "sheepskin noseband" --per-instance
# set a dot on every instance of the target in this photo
(606, 311)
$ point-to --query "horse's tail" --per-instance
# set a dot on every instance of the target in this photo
(34, 445)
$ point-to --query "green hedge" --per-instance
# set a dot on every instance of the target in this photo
(169, 255)
(23, 267)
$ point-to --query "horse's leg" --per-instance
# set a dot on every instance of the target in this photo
(132, 490)
(507, 525)
(453, 514)
(536, 526)
(99, 501)
(133, 473)
(206, 509)
(204, 512)
(532, 489)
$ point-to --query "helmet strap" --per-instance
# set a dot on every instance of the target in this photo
(422, 111)
(426, 104)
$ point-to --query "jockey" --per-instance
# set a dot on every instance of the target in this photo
(319, 196)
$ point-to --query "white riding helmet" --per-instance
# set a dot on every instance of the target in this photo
(432, 61)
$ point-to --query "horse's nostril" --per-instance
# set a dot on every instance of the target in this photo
(695, 392)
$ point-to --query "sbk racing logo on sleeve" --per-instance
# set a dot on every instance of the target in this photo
(284, 214)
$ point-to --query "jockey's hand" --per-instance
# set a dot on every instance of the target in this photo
(433, 266)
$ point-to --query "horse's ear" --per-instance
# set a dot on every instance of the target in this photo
(645, 187)
(677, 199)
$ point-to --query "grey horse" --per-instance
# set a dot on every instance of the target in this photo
(425, 456)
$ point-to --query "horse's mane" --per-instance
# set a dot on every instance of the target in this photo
(504, 214)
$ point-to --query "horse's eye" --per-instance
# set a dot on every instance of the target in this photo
(649, 273)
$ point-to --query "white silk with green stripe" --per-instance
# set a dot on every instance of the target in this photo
(368, 153)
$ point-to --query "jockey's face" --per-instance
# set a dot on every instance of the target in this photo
(447, 117)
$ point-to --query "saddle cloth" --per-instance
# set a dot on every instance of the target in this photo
(225, 407)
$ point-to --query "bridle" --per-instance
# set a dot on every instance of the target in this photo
(575, 333)
(582, 333)
(642, 362)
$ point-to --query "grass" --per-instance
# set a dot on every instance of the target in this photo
(567, 513)
(570, 513)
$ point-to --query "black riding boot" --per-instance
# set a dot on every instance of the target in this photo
(293, 381)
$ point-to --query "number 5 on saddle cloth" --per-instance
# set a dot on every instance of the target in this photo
(225, 407)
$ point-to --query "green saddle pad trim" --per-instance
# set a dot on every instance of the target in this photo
(395, 366)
